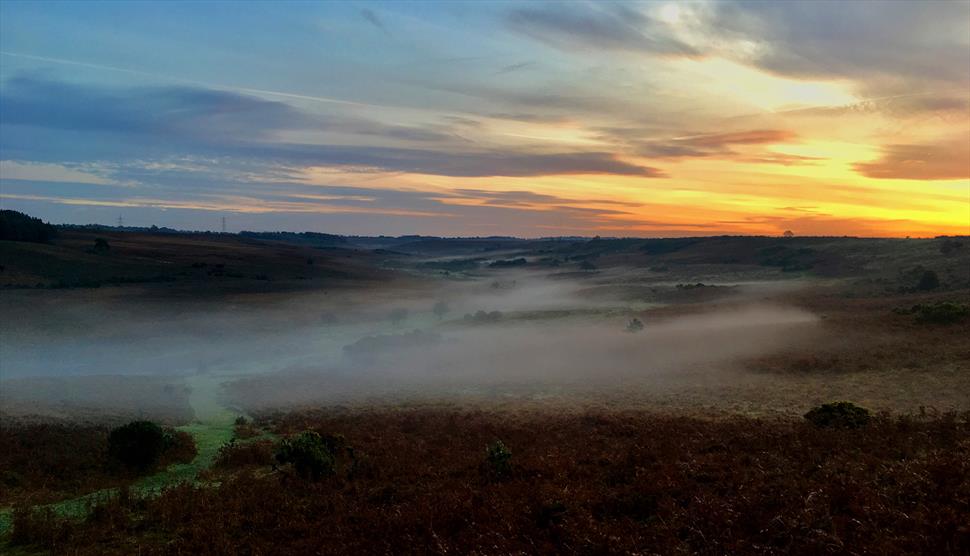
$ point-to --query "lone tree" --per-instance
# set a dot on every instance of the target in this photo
(137, 445)
(788, 233)
(440, 309)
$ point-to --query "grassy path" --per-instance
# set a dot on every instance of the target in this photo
(211, 428)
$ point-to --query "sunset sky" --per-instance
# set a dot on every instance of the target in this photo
(490, 118)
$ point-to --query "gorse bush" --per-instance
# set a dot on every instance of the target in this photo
(498, 459)
(138, 445)
(309, 455)
(244, 454)
(143, 445)
(841, 415)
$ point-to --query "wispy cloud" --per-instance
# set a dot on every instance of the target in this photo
(576, 26)
(374, 20)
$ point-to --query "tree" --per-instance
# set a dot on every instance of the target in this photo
(17, 226)
(788, 233)
(440, 309)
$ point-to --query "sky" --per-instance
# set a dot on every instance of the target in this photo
(532, 119)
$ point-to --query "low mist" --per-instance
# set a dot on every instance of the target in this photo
(506, 330)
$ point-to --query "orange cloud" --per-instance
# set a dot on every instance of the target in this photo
(948, 160)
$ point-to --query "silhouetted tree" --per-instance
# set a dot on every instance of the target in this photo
(788, 233)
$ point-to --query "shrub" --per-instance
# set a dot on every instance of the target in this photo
(440, 309)
(309, 455)
(498, 459)
(483, 317)
(179, 447)
(101, 246)
(945, 312)
(635, 325)
(137, 445)
(838, 415)
(397, 316)
(244, 428)
(234, 454)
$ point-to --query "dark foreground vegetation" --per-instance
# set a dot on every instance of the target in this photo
(401, 481)
(45, 462)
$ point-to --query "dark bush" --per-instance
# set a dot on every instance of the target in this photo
(138, 445)
(309, 455)
(838, 415)
(635, 325)
(945, 312)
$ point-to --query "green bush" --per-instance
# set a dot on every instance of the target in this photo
(137, 445)
(498, 459)
(838, 415)
(309, 454)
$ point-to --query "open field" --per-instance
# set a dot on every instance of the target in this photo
(682, 434)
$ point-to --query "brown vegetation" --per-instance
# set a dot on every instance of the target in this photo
(618, 482)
